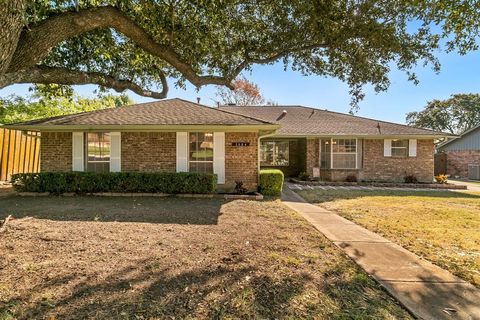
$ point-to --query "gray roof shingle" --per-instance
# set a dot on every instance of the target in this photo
(299, 120)
(165, 112)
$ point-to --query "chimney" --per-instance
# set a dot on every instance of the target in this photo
(198, 100)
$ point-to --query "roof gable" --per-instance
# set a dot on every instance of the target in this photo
(299, 120)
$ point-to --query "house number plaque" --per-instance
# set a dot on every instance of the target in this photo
(240, 144)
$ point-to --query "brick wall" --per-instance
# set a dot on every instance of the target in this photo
(148, 151)
(56, 151)
(312, 152)
(241, 162)
(376, 167)
(458, 161)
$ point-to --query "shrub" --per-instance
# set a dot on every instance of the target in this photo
(303, 176)
(441, 178)
(271, 182)
(351, 178)
(88, 182)
(410, 179)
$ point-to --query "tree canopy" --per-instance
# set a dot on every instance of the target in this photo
(137, 45)
(455, 115)
(54, 100)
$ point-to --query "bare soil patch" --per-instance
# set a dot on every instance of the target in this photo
(155, 258)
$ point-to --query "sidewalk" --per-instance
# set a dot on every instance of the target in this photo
(429, 292)
(471, 186)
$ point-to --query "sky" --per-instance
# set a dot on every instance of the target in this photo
(459, 74)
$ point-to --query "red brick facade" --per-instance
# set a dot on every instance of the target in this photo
(56, 151)
(458, 161)
(241, 162)
(148, 151)
(156, 151)
(377, 167)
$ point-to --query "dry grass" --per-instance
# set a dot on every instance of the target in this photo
(443, 227)
(152, 258)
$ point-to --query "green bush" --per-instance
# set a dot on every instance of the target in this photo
(271, 182)
(88, 182)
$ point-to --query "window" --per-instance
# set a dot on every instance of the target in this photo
(338, 154)
(200, 152)
(97, 151)
(274, 153)
(399, 148)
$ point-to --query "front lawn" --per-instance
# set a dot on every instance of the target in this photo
(441, 226)
(157, 258)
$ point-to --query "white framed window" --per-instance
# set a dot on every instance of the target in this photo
(338, 153)
(200, 152)
(400, 147)
(97, 151)
(274, 153)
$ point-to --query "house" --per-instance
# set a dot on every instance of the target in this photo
(342, 145)
(461, 152)
(233, 142)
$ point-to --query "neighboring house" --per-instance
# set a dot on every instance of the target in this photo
(233, 142)
(462, 152)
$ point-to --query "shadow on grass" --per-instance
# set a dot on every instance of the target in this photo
(121, 209)
(319, 195)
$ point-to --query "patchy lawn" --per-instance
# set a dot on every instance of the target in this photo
(441, 226)
(145, 258)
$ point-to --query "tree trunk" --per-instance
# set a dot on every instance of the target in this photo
(11, 23)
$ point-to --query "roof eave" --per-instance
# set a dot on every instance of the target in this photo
(372, 136)
(139, 128)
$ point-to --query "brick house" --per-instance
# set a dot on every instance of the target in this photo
(233, 142)
(462, 152)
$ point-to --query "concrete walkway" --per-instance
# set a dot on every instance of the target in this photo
(428, 291)
(471, 186)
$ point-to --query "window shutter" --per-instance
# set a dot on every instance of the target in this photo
(412, 147)
(219, 156)
(387, 147)
(182, 151)
(115, 152)
(77, 151)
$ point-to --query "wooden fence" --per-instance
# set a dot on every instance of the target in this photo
(19, 152)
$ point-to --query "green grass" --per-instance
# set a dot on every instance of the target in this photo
(441, 226)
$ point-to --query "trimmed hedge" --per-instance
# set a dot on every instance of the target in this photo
(89, 182)
(271, 182)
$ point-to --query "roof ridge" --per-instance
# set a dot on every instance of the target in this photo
(225, 111)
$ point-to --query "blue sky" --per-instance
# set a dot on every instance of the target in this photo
(459, 74)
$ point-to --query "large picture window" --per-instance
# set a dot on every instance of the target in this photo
(274, 153)
(400, 148)
(200, 152)
(97, 151)
(338, 153)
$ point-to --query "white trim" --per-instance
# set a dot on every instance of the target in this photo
(115, 152)
(219, 156)
(182, 152)
(78, 160)
(387, 147)
(412, 147)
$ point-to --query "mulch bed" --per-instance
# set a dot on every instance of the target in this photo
(382, 184)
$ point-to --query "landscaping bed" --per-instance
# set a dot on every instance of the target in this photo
(440, 226)
(166, 258)
(382, 184)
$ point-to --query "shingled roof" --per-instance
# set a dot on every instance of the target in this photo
(299, 120)
(165, 112)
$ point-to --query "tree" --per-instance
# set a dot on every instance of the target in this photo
(54, 101)
(455, 115)
(244, 93)
(137, 45)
